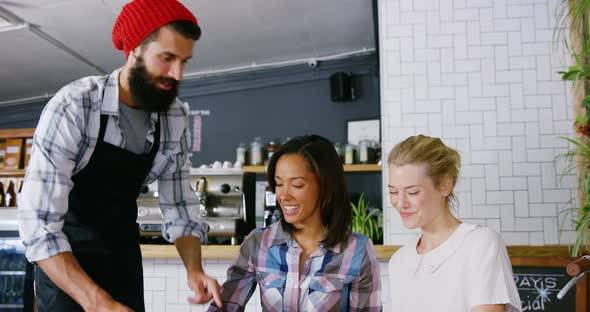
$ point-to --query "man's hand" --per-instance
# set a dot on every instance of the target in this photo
(108, 304)
(204, 286)
(65, 271)
(205, 289)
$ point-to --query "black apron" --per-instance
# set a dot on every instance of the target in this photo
(101, 226)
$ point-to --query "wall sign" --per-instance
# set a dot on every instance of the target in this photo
(358, 130)
(539, 280)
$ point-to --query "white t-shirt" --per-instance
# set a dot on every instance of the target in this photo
(470, 268)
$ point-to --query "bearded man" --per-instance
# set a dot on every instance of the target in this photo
(100, 140)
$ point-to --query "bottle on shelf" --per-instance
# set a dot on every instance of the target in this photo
(367, 152)
(364, 152)
(2, 195)
(241, 154)
(256, 152)
(349, 154)
(10, 200)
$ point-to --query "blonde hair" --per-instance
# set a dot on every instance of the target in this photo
(442, 161)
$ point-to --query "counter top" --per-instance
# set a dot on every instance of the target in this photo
(384, 252)
(229, 252)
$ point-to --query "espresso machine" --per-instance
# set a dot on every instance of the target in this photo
(226, 204)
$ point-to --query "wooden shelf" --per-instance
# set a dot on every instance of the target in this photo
(255, 169)
(362, 168)
(17, 133)
(207, 251)
(519, 255)
(21, 133)
(347, 168)
(229, 252)
(4, 173)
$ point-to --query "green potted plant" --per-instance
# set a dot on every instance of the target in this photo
(575, 17)
(364, 221)
(579, 158)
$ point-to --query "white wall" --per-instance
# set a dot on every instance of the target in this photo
(166, 287)
(482, 75)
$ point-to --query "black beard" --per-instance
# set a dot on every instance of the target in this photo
(144, 92)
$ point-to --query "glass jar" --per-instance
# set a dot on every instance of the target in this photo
(256, 152)
(364, 151)
(349, 151)
(241, 153)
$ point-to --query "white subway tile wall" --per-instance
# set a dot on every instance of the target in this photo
(166, 288)
(482, 75)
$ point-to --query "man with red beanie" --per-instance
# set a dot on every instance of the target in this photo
(99, 141)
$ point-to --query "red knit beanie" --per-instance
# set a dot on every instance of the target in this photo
(140, 18)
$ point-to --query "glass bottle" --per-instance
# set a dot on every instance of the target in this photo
(2, 195)
(364, 151)
(10, 200)
(241, 153)
(349, 154)
(256, 152)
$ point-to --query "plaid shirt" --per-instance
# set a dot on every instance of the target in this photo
(65, 139)
(342, 278)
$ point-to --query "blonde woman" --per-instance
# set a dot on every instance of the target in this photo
(451, 265)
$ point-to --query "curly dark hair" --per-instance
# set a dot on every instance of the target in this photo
(334, 202)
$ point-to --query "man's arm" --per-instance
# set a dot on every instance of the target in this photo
(44, 198)
(43, 203)
(179, 205)
(65, 271)
(205, 287)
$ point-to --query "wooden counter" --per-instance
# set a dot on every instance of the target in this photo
(229, 252)
(531, 260)
(518, 254)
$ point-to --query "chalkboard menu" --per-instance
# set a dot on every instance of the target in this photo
(538, 288)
